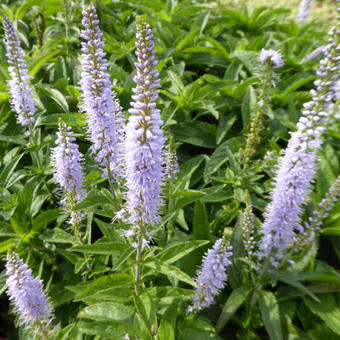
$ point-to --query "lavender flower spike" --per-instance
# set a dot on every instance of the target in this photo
(314, 54)
(144, 137)
(27, 294)
(321, 212)
(104, 114)
(21, 98)
(212, 276)
(68, 172)
(297, 167)
(248, 229)
(304, 10)
(271, 56)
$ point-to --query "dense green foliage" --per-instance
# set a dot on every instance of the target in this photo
(208, 67)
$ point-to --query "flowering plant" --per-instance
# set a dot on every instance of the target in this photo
(169, 172)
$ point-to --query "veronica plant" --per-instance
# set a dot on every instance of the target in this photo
(28, 297)
(104, 113)
(312, 226)
(248, 228)
(297, 167)
(170, 173)
(20, 91)
(212, 277)
(268, 61)
(68, 172)
(144, 142)
(304, 10)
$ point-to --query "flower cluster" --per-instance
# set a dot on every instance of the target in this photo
(314, 54)
(68, 172)
(144, 137)
(297, 167)
(271, 56)
(268, 60)
(27, 294)
(304, 10)
(21, 98)
(104, 113)
(321, 212)
(248, 227)
(171, 166)
(212, 276)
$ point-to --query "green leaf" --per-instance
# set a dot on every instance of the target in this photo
(104, 248)
(218, 158)
(64, 333)
(304, 259)
(167, 292)
(6, 245)
(92, 200)
(187, 169)
(224, 125)
(112, 330)
(326, 310)
(183, 198)
(196, 133)
(13, 139)
(218, 46)
(58, 235)
(8, 170)
(188, 37)
(292, 280)
(167, 325)
(176, 82)
(109, 231)
(248, 106)
(331, 231)
(201, 226)
(19, 226)
(270, 315)
(56, 95)
(234, 301)
(168, 270)
(39, 62)
(123, 258)
(179, 250)
(106, 311)
(102, 283)
(248, 58)
(71, 118)
(146, 312)
(119, 294)
(44, 218)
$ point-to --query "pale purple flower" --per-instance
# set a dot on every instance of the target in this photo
(21, 98)
(68, 172)
(297, 167)
(144, 137)
(171, 166)
(271, 56)
(248, 228)
(99, 102)
(27, 294)
(304, 10)
(314, 54)
(269, 156)
(337, 90)
(212, 276)
(321, 213)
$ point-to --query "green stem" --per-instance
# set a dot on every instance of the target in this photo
(138, 258)
(170, 211)
(110, 177)
(77, 233)
(44, 333)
